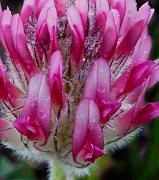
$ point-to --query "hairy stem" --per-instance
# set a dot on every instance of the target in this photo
(57, 172)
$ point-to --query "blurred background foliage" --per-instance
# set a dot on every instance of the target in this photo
(138, 161)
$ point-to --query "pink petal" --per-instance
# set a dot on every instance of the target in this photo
(76, 26)
(102, 5)
(55, 78)
(117, 20)
(154, 77)
(23, 54)
(125, 121)
(52, 28)
(132, 97)
(132, 78)
(147, 114)
(143, 14)
(88, 141)
(34, 121)
(8, 91)
(61, 7)
(7, 38)
(142, 49)
(109, 42)
(131, 11)
(107, 110)
(131, 38)
(1, 33)
(82, 8)
(97, 86)
(42, 34)
(38, 7)
(138, 75)
(120, 5)
(119, 85)
(102, 8)
(27, 9)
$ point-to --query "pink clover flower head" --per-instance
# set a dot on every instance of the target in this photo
(74, 77)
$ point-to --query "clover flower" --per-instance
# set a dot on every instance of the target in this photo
(73, 82)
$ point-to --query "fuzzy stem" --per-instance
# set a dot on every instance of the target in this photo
(57, 172)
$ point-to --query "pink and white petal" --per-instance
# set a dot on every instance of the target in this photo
(8, 91)
(52, 28)
(38, 7)
(131, 11)
(27, 9)
(131, 38)
(142, 49)
(132, 78)
(138, 75)
(61, 7)
(24, 56)
(117, 20)
(44, 107)
(91, 83)
(143, 14)
(154, 77)
(76, 26)
(103, 80)
(102, 8)
(107, 110)
(55, 78)
(7, 38)
(139, 23)
(97, 86)
(32, 93)
(119, 5)
(95, 131)
(140, 101)
(123, 122)
(34, 121)
(132, 97)
(148, 113)
(119, 84)
(82, 8)
(109, 43)
(42, 34)
(42, 31)
(87, 135)
(80, 128)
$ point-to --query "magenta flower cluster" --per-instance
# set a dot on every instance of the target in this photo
(75, 76)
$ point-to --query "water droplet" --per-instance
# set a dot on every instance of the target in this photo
(101, 89)
(92, 120)
(42, 114)
(9, 95)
